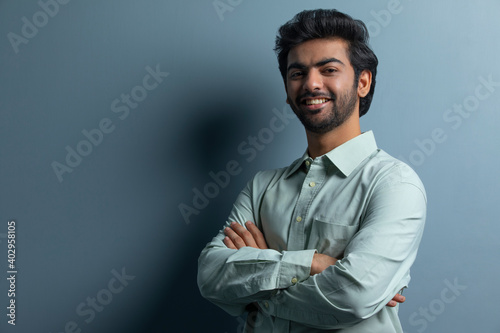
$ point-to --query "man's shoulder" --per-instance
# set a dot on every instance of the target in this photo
(388, 170)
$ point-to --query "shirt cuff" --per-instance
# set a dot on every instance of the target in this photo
(295, 266)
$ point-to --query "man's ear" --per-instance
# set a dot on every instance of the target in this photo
(364, 83)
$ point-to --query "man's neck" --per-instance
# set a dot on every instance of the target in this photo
(320, 144)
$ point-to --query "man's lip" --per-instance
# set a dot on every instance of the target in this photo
(313, 107)
(303, 100)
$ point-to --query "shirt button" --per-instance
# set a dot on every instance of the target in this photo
(294, 280)
(308, 163)
(298, 219)
(312, 184)
(266, 304)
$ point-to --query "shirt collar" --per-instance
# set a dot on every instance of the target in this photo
(296, 165)
(345, 157)
(350, 154)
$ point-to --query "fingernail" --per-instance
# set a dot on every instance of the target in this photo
(233, 223)
(249, 222)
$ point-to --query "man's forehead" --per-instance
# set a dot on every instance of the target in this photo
(316, 50)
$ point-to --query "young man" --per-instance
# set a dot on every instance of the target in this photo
(332, 237)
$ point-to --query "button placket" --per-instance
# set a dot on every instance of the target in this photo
(297, 236)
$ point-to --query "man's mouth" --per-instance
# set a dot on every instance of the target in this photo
(315, 101)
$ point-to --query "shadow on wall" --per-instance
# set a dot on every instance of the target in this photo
(206, 140)
(209, 142)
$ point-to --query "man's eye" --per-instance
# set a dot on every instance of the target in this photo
(330, 70)
(295, 75)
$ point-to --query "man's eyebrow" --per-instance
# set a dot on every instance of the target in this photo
(299, 65)
(296, 65)
(326, 61)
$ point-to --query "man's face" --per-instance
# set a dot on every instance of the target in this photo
(320, 84)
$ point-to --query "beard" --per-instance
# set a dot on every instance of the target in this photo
(341, 109)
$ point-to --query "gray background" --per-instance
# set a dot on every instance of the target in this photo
(118, 209)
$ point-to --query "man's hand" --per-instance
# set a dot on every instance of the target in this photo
(237, 236)
(395, 300)
(321, 262)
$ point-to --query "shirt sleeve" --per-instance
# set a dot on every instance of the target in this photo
(375, 266)
(231, 278)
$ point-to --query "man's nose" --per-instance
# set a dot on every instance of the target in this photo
(313, 81)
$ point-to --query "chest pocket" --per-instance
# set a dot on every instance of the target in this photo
(330, 238)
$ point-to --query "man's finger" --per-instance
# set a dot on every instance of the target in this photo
(235, 238)
(229, 243)
(399, 298)
(245, 235)
(257, 235)
(392, 304)
(395, 300)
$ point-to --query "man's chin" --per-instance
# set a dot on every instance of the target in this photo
(317, 127)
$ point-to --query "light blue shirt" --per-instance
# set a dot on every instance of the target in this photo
(356, 203)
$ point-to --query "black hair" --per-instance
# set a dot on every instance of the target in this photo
(327, 23)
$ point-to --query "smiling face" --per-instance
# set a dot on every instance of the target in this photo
(320, 84)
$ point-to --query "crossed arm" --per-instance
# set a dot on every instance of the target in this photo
(306, 287)
(238, 237)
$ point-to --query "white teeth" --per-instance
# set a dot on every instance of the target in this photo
(316, 101)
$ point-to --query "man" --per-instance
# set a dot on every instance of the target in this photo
(332, 237)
